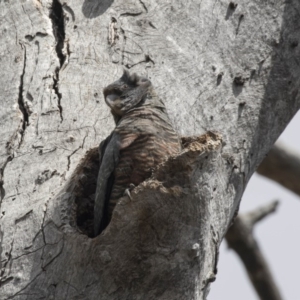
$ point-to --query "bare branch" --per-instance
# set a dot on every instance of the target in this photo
(240, 238)
(260, 213)
(282, 166)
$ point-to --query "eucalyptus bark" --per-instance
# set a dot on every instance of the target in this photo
(231, 69)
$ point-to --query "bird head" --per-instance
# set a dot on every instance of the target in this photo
(126, 93)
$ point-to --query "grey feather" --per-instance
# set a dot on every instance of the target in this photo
(109, 158)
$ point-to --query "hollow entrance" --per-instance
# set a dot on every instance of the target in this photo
(85, 181)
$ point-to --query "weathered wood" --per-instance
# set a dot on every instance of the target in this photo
(218, 66)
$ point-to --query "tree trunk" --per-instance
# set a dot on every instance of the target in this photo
(228, 69)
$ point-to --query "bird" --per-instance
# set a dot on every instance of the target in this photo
(143, 138)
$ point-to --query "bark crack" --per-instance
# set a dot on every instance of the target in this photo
(69, 157)
(21, 102)
(58, 93)
(129, 14)
(28, 253)
(146, 60)
(58, 27)
(80, 147)
(24, 217)
(43, 226)
(144, 6)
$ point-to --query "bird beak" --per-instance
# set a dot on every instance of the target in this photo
(110, 100)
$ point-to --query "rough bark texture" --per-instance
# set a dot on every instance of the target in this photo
(282, 166)
(241, 239)
(219, 66)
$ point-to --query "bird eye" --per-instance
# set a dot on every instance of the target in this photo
(124, 86)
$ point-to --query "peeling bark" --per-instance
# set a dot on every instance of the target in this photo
(222, 69)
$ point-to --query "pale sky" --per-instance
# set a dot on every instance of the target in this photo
(277, 235)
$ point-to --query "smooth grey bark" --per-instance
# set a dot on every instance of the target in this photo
(282, 166)
(232, 69)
